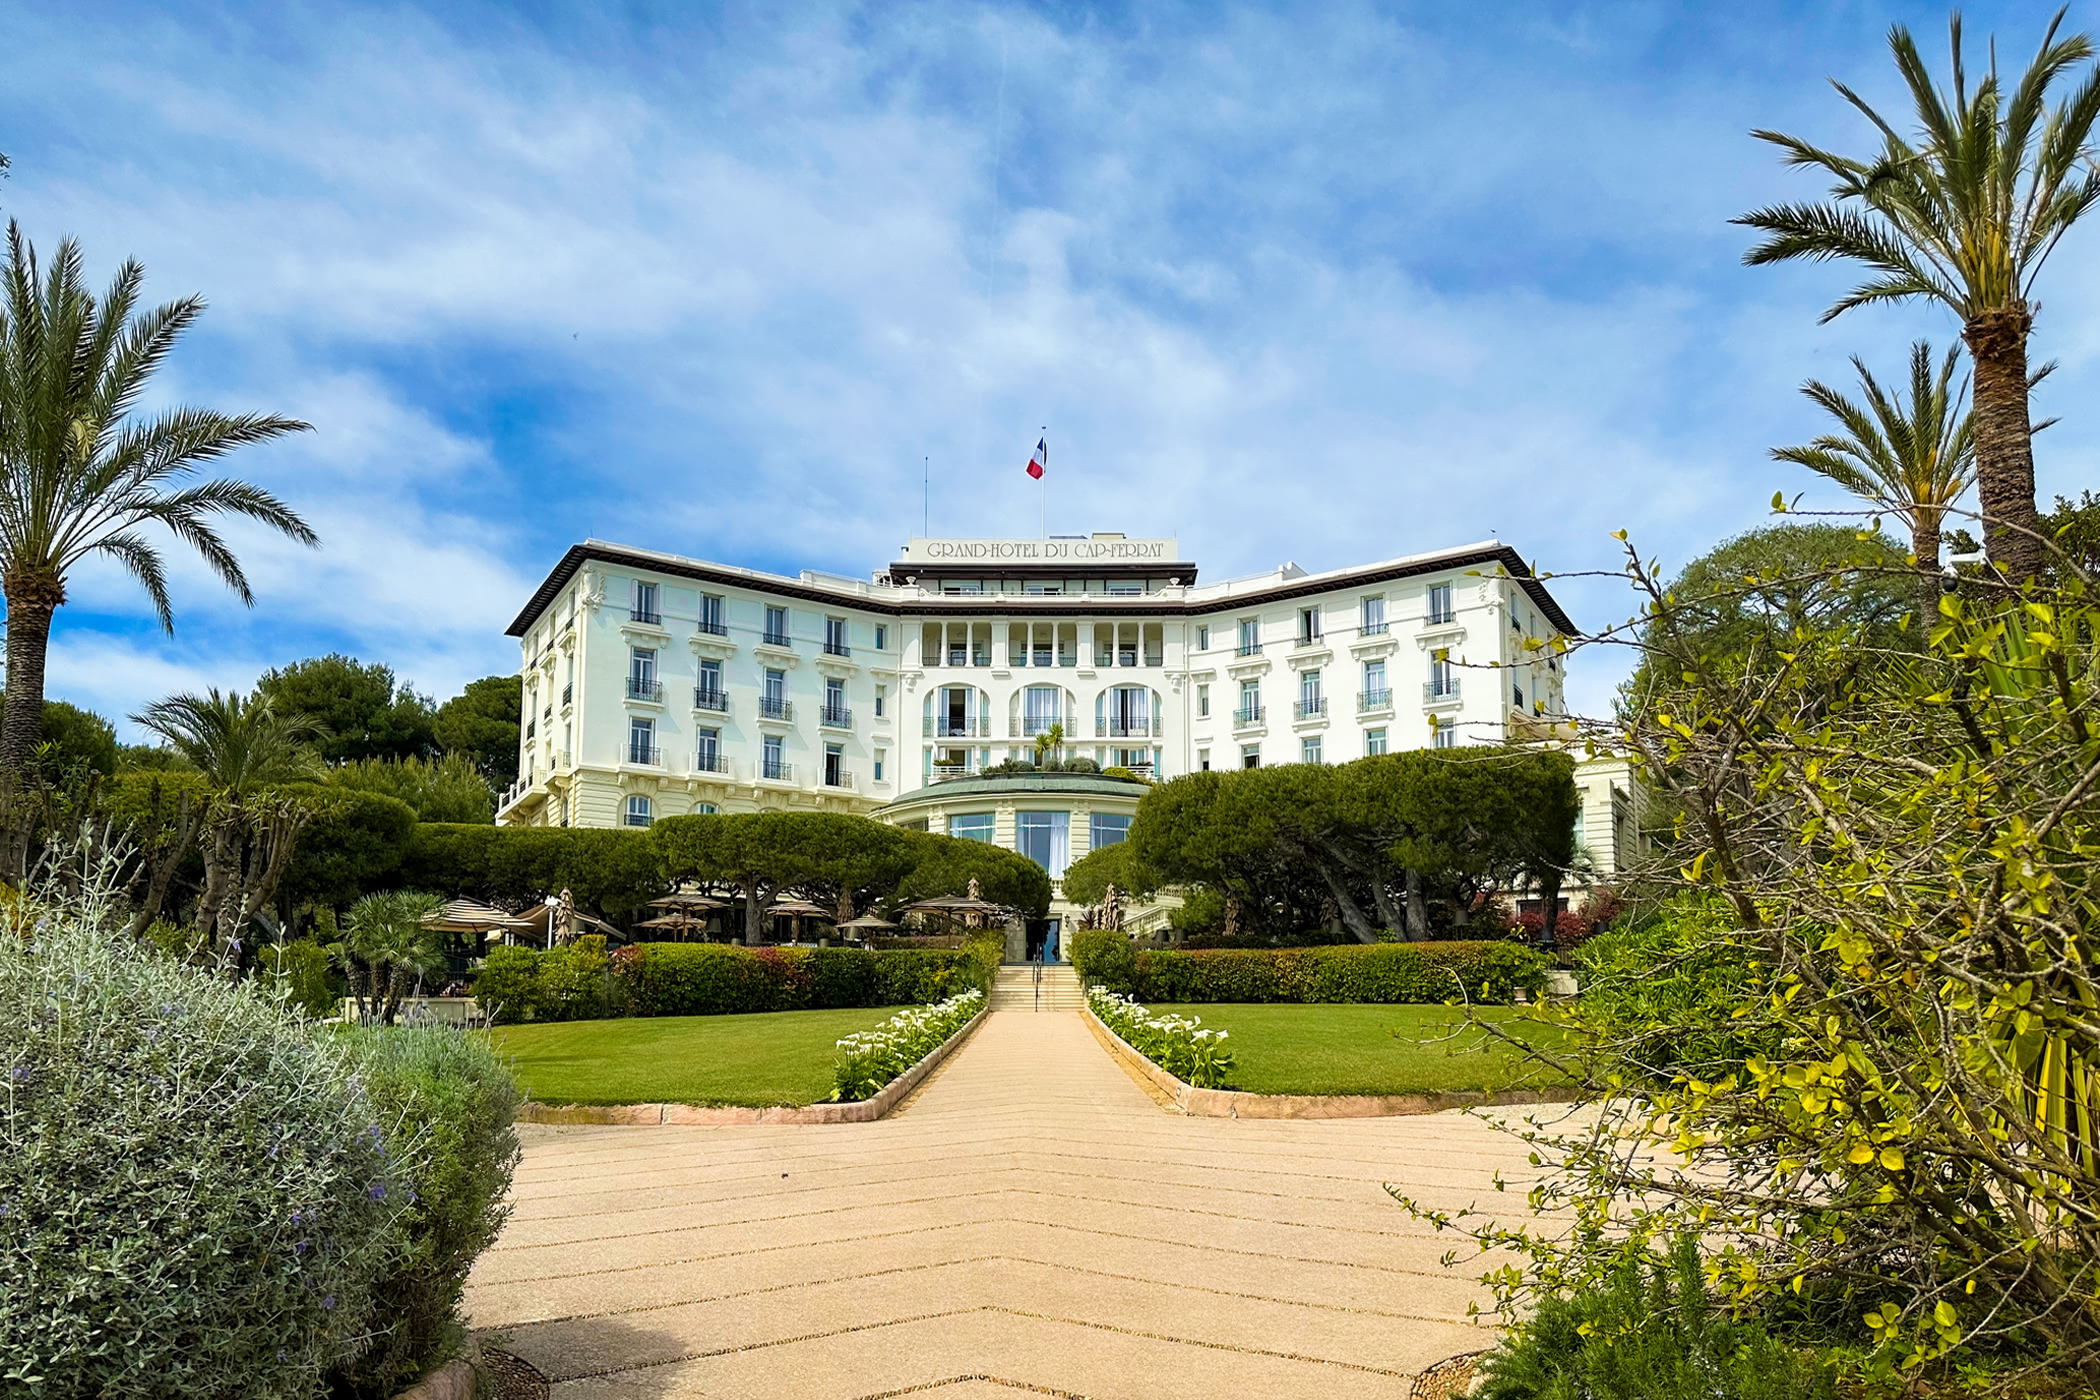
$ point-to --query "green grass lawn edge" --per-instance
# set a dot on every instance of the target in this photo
(759, 1060)
(1372, 1050)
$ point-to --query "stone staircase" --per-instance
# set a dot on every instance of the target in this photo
(1016, 989)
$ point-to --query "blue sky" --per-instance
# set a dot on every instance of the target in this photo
(1326, 283)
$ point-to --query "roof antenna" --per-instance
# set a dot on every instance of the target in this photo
(926, 496)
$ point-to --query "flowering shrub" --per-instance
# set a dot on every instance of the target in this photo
(1177, 1044)
(196, 1195)
(871, 1059)
(446, 1104)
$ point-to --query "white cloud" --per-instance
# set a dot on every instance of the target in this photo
(1322, 285)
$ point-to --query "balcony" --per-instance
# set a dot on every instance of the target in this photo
(949, 772)
(775, 707)
(948, 727)
(835, 717)
(1309, 639)
(711, 761)
(1370, 700)
(1373, 629)
(774, 639)
(840, 778)
(707, 698)
(1440, 616)
(641, 688)
(1249, 649)
(1246, 717)
(1033, 725)
(832, 648)
(647, 755)
(1126, 728)
(1436, 691)
(713, 627)
(1311, 707)
(776, 770)
(648, 616)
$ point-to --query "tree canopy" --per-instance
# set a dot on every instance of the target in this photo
(361, 708)
(1371, 846)
(481, 723)
(449, 789)
(1750, 597)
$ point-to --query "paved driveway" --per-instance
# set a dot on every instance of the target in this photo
(1031, 1223)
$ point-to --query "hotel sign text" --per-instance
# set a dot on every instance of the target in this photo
(1043, 551)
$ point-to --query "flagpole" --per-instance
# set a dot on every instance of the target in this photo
(1045, 481)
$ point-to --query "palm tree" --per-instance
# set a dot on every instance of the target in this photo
(388, 941)
(239, 743)
(1967, 217)
(1913, 458)
(80, 474)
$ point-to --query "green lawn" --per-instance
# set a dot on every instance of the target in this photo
(1367, 1049)
(773, 1057)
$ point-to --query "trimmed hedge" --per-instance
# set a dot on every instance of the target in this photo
(712, 979)
(1376, 972)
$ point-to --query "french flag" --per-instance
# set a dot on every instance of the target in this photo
(1040, 460)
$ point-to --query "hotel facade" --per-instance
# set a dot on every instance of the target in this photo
(657, 685)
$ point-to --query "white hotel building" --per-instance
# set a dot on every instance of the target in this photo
(657, 685)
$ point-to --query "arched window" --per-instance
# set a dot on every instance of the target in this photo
(638, 813)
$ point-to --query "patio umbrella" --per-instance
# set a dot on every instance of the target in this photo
(688, 899)
(471, 916)
(867, 923)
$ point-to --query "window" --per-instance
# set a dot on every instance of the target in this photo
(880, 755)
(1039, 709)
(1043, 837)
(641, 741)
(1203, 639)
(1377, 695)
(707, 693)
(776, 627)
(1516, 695)
(1442, 682)
(1250, 635)
(835, 711)
(1373, 615)
(1374, 742)
(707, 754)
(835, 637)
(1203, 702)
(641, 675)
(638, 813)
(1309, 750)
(882, 641)
(1445, 734)
(1129, 711)
(1203, 760)
(1311, 702)
(834, 766)
(772, 699)
(1516, 623)
(644, 608)
(971, 826)
(711, 615)
(882, 693)
(1308, 626)
(1250, 756)
(773, 759)
(1250, 703)
(1439, 611)
(1106, 829)
(703, 809)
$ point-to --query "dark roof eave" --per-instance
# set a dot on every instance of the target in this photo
(1077, 603)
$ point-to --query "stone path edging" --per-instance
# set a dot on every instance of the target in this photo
(452, 1381)
(686, 1114)
(1233, 1103)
